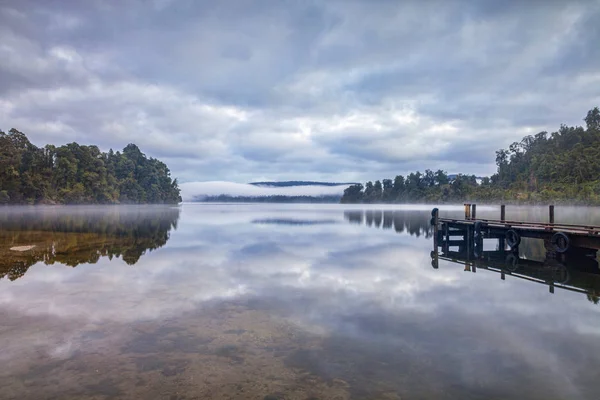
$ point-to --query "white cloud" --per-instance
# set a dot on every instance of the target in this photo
(336, 91)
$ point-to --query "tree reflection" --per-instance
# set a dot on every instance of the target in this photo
(416, 223)
(80, 235)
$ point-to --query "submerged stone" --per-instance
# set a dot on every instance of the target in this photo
(22, 248)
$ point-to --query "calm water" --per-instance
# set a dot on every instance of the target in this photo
(286, 302)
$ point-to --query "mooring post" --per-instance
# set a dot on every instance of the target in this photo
(474, 212)
(435, 220)
(467, 210)
(551, 214)
(469, 240)
(447, 238)
(436, 217)
(501, 242)
(502, 276)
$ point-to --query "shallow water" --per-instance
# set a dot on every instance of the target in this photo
(285, 302)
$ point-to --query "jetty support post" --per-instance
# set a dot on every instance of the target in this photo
(551, 214)
(446, 247)
(467, 211)
(501, 241)
(474, 211)
(436, 227)
(469, 241)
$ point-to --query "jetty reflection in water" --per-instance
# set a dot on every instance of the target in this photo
(80, 235)
(575, 271)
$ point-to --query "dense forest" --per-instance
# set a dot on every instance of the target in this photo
(562, 166)
(76, 174)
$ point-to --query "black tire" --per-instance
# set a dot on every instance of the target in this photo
(511, 262)
(434, 211)
(513, 239)
(560, 274)
(561, 242)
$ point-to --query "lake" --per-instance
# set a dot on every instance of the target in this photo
(274, 301)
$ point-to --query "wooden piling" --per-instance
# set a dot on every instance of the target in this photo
(469, 241)
(467, 211)
(436, 217)
(474, 211)
(501, 242)
(551, 214)
(447, 238)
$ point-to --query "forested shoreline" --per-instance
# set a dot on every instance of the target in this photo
(560, 167)
(78, 174)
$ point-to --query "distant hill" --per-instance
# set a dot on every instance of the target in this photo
(300, 183)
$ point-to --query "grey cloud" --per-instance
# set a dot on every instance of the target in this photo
(300, 90)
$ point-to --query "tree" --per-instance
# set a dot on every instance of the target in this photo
(377, 192)
(388, 190)
(353, 194)
(441, 178)
(592, 119)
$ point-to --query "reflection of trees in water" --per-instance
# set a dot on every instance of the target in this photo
(79, 235)
(416, 223)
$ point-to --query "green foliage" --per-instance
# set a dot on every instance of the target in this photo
(563, 166)
(76, 174)
(416, 187)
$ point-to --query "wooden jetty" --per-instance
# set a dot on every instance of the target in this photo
(560, 238)
(570, 258)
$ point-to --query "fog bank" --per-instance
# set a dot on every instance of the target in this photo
(195, 190)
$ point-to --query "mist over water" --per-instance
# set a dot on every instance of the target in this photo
(192, 191)
(280, 301)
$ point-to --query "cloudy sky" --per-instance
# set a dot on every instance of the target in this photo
(276, 90)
